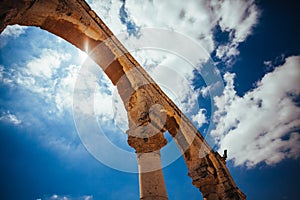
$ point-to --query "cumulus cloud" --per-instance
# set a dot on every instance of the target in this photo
(10, 118)
(238, 19)
(174, 76)
(46, 64)
(196, 19)
(5, 77)
(14, 31)
(63, 94)
(108, 11)
(45, 76)
(192, 18)
(200, 117)
(94, 93)
(263, 125)
(48, 75)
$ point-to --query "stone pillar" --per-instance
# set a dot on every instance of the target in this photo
(152, 184)
(151, 179)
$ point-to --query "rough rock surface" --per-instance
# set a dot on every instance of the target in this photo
(150, 111)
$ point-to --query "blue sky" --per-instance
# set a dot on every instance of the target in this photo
(253, 44)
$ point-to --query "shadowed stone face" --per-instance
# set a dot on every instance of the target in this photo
(150, 111)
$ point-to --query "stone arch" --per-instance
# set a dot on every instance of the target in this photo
(74, 21)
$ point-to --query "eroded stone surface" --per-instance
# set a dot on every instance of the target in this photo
(74, 21)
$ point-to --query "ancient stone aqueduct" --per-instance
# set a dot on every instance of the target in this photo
(74, 21)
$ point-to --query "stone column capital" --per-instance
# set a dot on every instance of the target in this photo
(146, 138)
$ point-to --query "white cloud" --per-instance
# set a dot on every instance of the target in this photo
(172, 73)
(94, 93)
(196, 19)
(238, 18)
(227, 51)
(7, 76)
(103, 105)
(11, 31)
(1, 72)
(63, 95)
(205, 91)
(119, 112)
(108, 11)
(192, 18)
(14, 31)
(46, 76)
(10, 118)
(264, 124)
(200, 117)
(46, 64)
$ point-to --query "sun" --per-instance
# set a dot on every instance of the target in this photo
(82, 56)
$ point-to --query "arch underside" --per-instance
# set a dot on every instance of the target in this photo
(75, 22)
